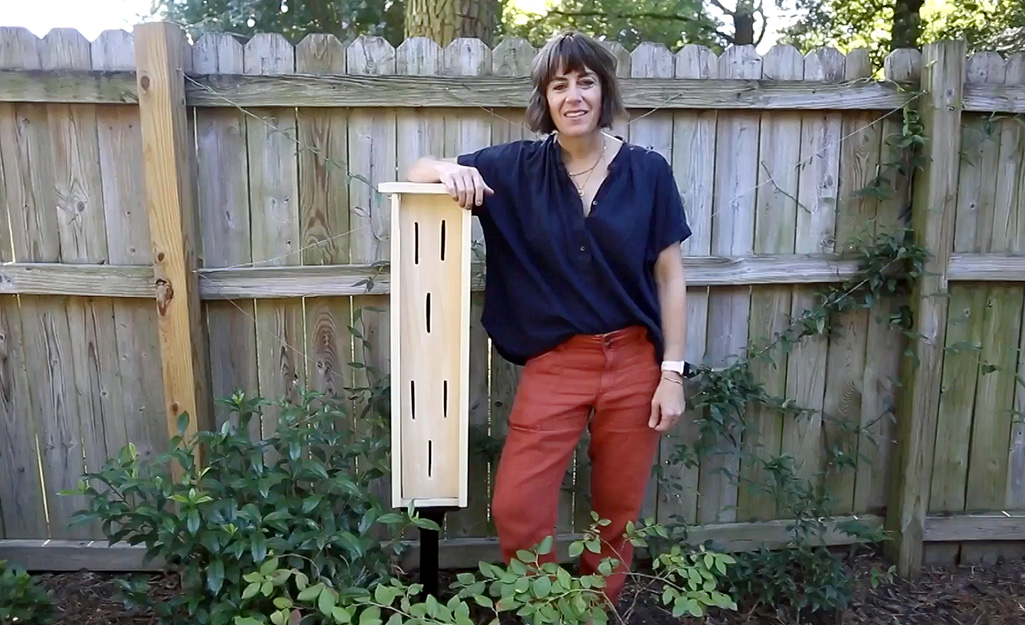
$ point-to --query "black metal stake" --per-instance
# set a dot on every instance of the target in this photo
(429, 550)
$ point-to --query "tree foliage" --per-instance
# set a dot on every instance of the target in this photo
(345, 19)
(885, 25)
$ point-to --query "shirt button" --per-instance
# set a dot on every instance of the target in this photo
(583, 249)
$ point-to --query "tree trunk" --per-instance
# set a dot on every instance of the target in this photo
(446, 20)
(744, 24)
(907, 24)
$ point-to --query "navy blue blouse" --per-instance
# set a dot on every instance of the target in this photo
(553, 272)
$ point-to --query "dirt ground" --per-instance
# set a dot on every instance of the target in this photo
(940, 596)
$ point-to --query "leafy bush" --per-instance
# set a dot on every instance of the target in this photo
(22, 602)
(535, 592)
(298, 491)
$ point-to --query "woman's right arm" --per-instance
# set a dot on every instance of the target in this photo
(464, 184)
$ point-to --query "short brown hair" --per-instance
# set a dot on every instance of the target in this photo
(572, 51)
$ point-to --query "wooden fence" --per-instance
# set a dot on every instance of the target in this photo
(187, 219)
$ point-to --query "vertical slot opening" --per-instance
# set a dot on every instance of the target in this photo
(444, 394)
(416, 242)
(412, 399)
(443, 239)
(428, 313)
(430, 458)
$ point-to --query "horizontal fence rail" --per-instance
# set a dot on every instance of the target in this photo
(313, 91)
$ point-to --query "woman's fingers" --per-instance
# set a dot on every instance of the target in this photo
(466, 186)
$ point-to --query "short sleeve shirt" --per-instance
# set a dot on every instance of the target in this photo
(553, 272)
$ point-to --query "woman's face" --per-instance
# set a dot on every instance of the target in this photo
(574, 102)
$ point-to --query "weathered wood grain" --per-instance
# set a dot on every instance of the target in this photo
(693, 162)
(733, 226)
(324, 220)
(21, 498)
(467, 131)
(141, 419)
(30, 174)
(882, 361)
(222, 185)
(83, 239)
(855, 218)
(817, 205)
(933, 221)
(775, 225)
(271, 141)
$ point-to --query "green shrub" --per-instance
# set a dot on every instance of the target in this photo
(685, 581)
(298, 491)
(22, 601)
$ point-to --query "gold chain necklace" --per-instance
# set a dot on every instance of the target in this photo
(601, 157)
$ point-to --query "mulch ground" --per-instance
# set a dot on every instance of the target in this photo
(992, 595)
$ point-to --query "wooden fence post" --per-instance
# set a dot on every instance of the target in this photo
(160, 61)
(932, 218)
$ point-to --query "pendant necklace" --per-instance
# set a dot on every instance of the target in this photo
(589, 171)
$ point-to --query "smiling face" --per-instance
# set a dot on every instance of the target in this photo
(574, 87)
(575, 101)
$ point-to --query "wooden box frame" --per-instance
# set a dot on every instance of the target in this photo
(430, 339)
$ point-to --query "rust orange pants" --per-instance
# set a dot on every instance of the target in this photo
(614, 374)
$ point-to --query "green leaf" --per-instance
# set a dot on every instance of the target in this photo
(542, 586)
(341, 615)
(251, 590)
(546, 545)
(269, 566)
(282, 603)
(215, 576)
(258, 548)
(192, 521)
(312, 502)
(183, 423)
(326, 602)
(310, 593)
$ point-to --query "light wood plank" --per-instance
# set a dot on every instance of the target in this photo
(159, 53)
(466, 132)
(775, 224)
(142, 420)
(693, 161)
(993, 418)
(933, 223)
(733, 226)
(325, 222)
(372, 160)
(882, 361)
(843, 414)
(83, 239)
(803, 436)
(21, 498)
(223, 206)
(274, 218)
(30, 172)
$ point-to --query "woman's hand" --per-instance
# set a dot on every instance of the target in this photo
(464, 184)
(668, 403)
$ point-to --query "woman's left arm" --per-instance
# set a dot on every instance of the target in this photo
(668, 403)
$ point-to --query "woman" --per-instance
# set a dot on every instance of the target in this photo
(585, 288)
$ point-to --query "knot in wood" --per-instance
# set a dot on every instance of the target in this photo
(165, 293)
(144, 82)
